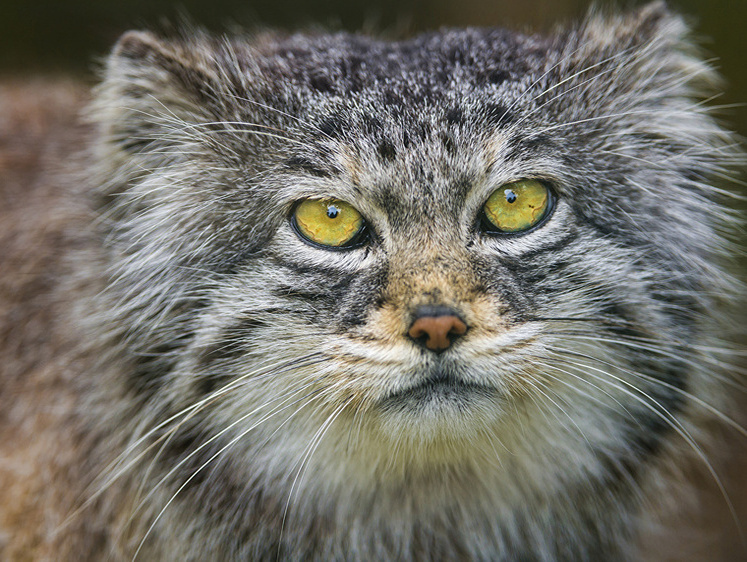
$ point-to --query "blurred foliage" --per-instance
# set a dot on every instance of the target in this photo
(69, 35)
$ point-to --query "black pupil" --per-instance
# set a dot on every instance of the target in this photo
(332, 211)
(510, 196)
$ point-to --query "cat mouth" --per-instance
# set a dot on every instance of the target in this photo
(440, 387)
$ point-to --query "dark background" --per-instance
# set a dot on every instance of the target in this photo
(64, 36)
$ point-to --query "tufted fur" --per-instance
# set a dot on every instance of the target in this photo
(217, 388)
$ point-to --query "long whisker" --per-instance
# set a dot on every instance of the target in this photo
(653, 405)
(207, 463)
(544, 75)
(648, 345)
(581, 392)
(690, 396)
(296, 118)
(310, 449)
(256, 375)
(283, 399)
(118, 468)
(537, 385)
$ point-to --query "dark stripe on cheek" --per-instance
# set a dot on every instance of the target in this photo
(329, 298)
(323, 301)
(502, 282)
(231, 343)
(312, 281)
(364, 295)
(542, 277)
(530, 262)
(684, 309)
(607, 230)
(552, 248)
(151, 365)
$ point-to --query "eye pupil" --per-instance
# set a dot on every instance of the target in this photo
(510, 196)
(332, 211)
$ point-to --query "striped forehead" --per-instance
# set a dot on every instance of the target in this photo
(427, 165)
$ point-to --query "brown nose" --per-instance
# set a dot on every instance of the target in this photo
(436, 327)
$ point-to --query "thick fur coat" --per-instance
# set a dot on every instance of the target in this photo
(185, 377)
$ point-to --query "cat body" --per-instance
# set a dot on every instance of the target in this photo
(191, 375)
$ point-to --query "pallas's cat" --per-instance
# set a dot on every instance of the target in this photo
(460, 296)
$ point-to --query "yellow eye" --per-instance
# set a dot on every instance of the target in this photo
(517, 206)
(328, 222)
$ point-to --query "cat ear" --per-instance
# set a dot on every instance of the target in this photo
(152, 90)
(651, 24)
(643, 57)
(646, 43)
(642, 78)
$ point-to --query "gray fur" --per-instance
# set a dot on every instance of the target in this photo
(248, 386)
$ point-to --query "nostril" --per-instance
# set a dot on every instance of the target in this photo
(436, 331)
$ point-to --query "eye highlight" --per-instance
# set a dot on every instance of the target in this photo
(330, 223)
(517, 206)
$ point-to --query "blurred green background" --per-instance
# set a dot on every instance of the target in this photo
(64, 36)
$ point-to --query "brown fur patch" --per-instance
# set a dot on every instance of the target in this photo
(41, 447)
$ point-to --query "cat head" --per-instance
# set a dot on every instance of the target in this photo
(466, 242)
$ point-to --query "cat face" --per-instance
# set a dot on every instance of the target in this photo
(516, 272)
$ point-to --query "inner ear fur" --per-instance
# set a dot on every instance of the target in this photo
(646, 50)
(143, 59)
(651, 24)
(151, 87)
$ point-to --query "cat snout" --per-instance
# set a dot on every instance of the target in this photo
(436, 327)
